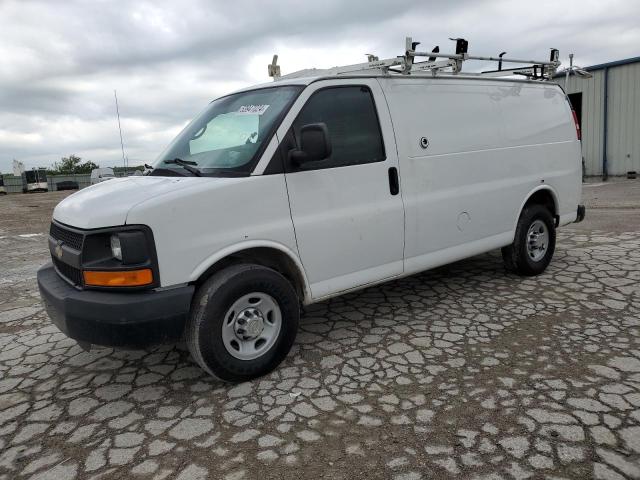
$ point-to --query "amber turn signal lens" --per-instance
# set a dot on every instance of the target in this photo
(127, 278)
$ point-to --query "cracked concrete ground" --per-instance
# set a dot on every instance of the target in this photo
(461, 372)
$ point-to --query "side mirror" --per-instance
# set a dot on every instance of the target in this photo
(315, 144)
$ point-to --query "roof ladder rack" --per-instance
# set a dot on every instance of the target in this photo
(435, 63)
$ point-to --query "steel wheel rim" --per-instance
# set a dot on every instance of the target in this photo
(537, 240)
(251, 326)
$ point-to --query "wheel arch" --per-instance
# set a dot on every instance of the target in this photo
(541, 195)
(268, 254)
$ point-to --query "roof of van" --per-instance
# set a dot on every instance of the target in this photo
(314, 75)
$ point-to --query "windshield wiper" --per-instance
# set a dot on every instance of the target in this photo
(186, 164)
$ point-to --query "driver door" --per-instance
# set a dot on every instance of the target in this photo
(347, 210)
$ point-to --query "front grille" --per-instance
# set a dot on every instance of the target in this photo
(68, 237)
(74, 275)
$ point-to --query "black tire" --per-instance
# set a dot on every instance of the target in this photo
(516, 256)
(209, 307)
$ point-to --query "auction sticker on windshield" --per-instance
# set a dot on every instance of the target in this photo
(253, 109)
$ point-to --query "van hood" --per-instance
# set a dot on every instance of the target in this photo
(107, 204)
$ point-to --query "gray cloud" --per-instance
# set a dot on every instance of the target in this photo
(61, 61)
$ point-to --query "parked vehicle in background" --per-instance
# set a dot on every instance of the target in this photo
(99, 175)
(67, 185)
(34, 180)
(292, 193)
(3, 190)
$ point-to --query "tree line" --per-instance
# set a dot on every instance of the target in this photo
(71, 165)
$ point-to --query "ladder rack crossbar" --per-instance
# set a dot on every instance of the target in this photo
(535, 69)
(464, 56)
(382, 64)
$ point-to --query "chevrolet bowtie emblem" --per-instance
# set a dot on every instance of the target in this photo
(58, 250)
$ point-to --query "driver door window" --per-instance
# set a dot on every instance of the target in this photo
(351, 119)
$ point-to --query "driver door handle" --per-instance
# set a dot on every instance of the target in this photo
(394, 183)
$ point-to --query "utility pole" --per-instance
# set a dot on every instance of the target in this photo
(124, 161)
(566, 79)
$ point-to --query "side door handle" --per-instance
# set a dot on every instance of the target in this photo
(394, 183)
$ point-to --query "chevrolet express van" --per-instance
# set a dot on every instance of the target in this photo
(297, 191)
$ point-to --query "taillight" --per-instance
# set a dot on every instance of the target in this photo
(575, 121)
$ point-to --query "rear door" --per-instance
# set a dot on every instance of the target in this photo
(347, 210)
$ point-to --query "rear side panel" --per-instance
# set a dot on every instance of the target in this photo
(490, 144)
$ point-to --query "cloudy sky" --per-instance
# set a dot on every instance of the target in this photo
(60, 60)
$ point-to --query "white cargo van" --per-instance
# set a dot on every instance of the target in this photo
(99, 175)
(296, 191)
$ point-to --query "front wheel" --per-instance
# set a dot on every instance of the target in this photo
(243, 322)
(533, 244)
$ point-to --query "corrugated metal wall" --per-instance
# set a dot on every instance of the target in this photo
(623, 143)
(14, 184)
(83, 180)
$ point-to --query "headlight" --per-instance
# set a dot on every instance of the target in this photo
(116, 249)
(120, 257)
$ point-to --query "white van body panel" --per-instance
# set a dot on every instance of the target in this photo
(193, 228)
(106, 204)
(491, 144)
(194, 220)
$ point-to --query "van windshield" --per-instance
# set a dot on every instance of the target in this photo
(228, 137)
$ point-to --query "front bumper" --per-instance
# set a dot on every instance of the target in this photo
(114, 318)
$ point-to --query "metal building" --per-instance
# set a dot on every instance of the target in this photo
(608, 110)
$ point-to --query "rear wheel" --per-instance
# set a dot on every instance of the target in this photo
(243, 322)
(533, 244)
